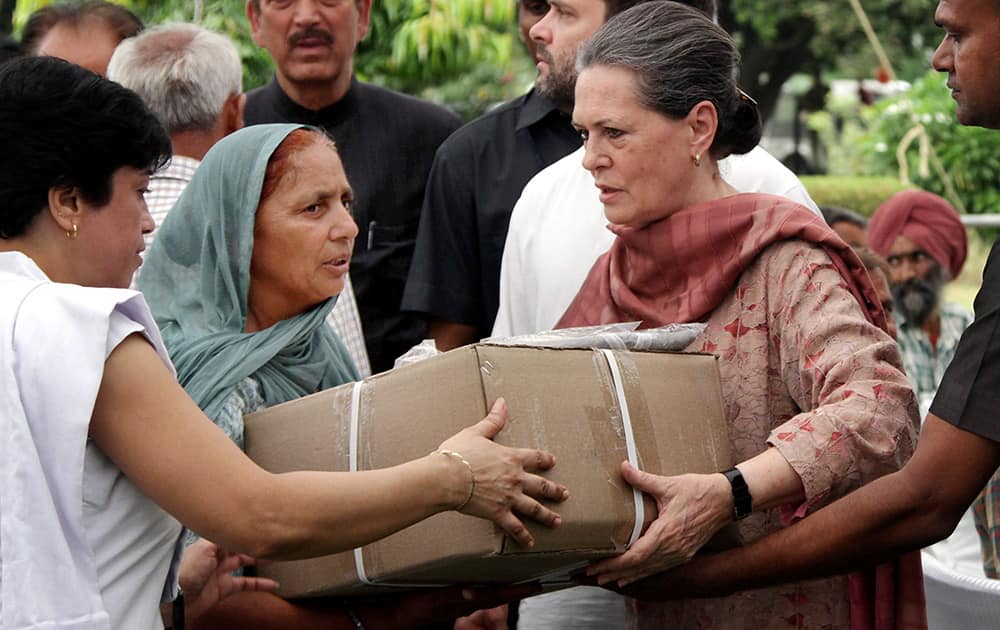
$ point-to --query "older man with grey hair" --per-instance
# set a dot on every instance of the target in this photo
(192, 79)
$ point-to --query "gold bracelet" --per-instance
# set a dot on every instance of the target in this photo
(472, 474)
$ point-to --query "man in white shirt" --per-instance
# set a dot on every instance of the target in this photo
(192, 79)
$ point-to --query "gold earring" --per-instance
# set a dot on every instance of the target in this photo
(72, 234)
(697, 159)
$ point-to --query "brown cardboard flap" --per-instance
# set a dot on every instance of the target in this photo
(301, 428)
(417, 408)
(684, 423)
(586, 439)
(305, 434)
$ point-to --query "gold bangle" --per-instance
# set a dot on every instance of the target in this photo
(472, 474)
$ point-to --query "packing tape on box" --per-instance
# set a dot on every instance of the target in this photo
(355, 439)
(630, 449)
(560, 576)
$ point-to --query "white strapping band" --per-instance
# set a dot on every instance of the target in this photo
(630, 449)
(359, 558)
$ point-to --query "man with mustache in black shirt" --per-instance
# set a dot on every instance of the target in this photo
(386, 140)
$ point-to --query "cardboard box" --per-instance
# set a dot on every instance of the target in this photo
(561, 400)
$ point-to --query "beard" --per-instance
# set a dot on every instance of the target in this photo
(916, 299)
(560, 82)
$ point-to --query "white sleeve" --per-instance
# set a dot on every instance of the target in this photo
(512, 312)
(759, 171)
(798, 193)
(59, 338)
(120, 326)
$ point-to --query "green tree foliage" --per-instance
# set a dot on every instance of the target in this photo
(869, 142)
(413, 44)
(969, 155)
(463, 53)
(779, 39)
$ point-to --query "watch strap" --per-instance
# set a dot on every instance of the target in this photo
(742, 501)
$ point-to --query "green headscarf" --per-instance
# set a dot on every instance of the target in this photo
(197, 275)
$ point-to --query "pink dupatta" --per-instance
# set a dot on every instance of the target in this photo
(679, 269)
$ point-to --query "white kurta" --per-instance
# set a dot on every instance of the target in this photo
(558, 229)
(80, 546)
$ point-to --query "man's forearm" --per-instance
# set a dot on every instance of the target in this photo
(450, 335)
(900, 512)
(829, 542)
(264, 611)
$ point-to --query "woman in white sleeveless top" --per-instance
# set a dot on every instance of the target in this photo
(101, 446)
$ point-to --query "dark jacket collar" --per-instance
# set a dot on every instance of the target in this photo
(290, 110)
(536, 107)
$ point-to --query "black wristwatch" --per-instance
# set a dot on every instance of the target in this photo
(742, 501)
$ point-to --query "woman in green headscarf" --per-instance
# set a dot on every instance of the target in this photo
(242, 330)
(240, 279)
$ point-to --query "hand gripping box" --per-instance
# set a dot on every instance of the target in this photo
(591, 408)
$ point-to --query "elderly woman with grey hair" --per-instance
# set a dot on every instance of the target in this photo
(815, 398)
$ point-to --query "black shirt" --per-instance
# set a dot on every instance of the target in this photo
(387, 142)
(969, 394)
(477, 177)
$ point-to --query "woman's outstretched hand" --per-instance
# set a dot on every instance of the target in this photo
(501, 480)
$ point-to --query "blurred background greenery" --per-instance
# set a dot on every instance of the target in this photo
(911, 140)
(465, 53)
(861, 144)
(462, 53)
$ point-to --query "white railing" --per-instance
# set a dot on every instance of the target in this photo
(981, 220)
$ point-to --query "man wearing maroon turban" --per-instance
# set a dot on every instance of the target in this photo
(924, 241)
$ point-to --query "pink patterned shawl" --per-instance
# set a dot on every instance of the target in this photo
(680, 268)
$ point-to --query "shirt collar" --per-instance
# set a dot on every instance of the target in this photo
(948, 312)
(19, 263)
(179, 167)
(536, 107)
(293, 111)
